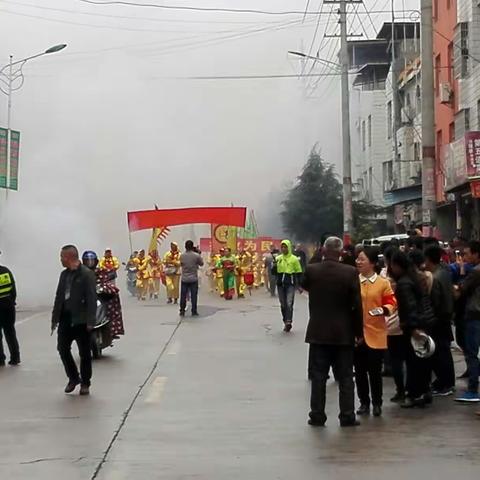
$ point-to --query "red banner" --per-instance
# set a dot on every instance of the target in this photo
(475, 188)
(472, 153)
(146, 219)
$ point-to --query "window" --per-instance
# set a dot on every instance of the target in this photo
(449, 4)
(418, 98)
(438, 64)
(435, 9)
(387, 176)
(466, 113)
(363, 135)
(370, 182)
(451, 132)
(416, 152)
(478, 114)
(450, 63)
(369, 130)
(389, 119)
(439, 143)
(461, 54)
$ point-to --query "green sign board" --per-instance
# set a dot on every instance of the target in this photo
(3, 157)
(14, 155)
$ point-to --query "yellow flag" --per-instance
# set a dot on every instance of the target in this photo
(232, 239)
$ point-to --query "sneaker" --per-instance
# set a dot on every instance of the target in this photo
(71, 386)
(349, 423)
(363, 410)
(377, 411)
(315, 423)
(195, 314)
(413, 402)
(398, 398)
(443, 392)
(468, 397)
(182, 314)
(85, 390)
(14, 362)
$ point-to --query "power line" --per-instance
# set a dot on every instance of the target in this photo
(205, 9)
(129, 17)
(306, 10)
(248, 77)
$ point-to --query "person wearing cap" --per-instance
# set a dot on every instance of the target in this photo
(8, 297)
(416, 319)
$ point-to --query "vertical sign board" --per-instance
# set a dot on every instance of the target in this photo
(14, 155)
(3, 157)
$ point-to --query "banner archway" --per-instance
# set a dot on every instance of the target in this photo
(148, 219)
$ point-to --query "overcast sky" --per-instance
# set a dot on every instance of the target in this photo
(107, 126)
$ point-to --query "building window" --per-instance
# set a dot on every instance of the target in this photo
(418, 102)
(387, 176)
(416, 152)
(451, 132)
(438, 64)
(439, 143)
(389, 120)
(461, 54)
(449, 4)
(369, 130)
(363, 135)
(478, 114)
(466, 113)
(435, 9)
(450, 63)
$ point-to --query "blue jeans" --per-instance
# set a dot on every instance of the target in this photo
(472, 345)
(286, 295)
(191, 287)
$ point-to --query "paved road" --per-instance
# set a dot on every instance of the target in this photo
(219, 397)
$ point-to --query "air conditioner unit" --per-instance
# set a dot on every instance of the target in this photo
(445, 92)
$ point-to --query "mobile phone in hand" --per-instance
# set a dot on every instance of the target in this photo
(376, 312)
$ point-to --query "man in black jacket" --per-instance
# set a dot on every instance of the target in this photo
(8, 297)
(74, 313)
(443, 304)
(336, 324)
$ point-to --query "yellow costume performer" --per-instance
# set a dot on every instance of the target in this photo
(244, 266)
(171, 262)
(142, 275)
(218, 272)
(154, 273)
(108, 262)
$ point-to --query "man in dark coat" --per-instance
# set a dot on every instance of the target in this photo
(8, 297)
(74, 313)
(335, 325)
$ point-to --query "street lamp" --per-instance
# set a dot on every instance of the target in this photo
(317, 59)
(11, 80)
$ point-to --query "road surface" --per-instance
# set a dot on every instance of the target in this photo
(220, 397)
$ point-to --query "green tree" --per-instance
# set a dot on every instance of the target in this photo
(313, 206)
(367, 221)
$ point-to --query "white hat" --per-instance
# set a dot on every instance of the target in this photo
(424, 346)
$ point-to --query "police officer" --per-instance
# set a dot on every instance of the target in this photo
(8, 297)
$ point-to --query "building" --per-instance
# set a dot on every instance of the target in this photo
(368, 127)
(446, 106)
(402, 169)
(458, 88)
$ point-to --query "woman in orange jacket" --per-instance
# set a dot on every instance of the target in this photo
(378, 301)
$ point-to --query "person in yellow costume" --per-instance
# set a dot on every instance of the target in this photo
(171, 262)
(210, 273)
(154, 273)
(108, 262)
(244, 266)
(142, 275)
(218, 272)
(256, 268)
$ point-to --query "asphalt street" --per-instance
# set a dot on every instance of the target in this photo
(223, 396)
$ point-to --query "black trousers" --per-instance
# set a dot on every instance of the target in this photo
(340, 358)
(442, 364)
(7, 329)
(418, 373)
(67, 334)
(191, 287)
(397, 349)
(368, 374)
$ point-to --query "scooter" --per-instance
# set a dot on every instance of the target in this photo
(132, 281)
(101, 336)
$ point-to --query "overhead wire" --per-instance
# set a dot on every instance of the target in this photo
(200, 9)
(320, 9)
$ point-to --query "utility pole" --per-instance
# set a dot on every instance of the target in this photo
(428, 120)
(346, 153)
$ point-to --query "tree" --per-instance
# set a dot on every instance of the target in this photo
(367, 221)
(313, 206)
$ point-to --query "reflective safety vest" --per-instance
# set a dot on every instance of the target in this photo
(6, 285)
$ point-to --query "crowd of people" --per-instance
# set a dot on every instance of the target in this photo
(391, 308)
